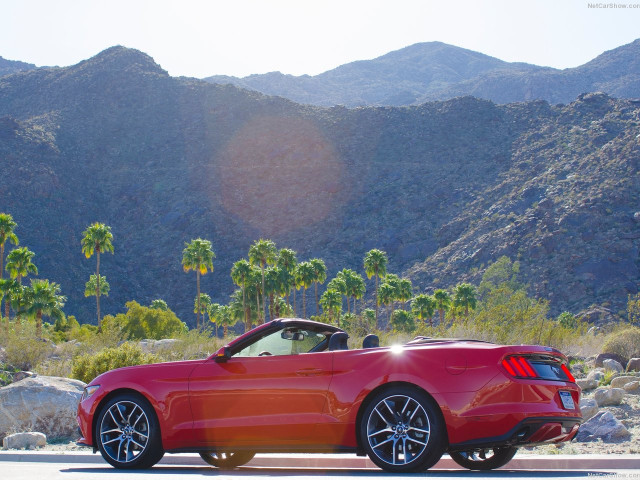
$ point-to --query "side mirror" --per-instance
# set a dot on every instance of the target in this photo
(223, 355)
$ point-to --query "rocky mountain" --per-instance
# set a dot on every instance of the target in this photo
(8, 67)
(437, 71)
(445, 187)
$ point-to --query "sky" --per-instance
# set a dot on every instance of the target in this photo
(199, 38)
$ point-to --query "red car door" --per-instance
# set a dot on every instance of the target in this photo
(261, 400)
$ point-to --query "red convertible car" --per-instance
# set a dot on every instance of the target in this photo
(293, 385)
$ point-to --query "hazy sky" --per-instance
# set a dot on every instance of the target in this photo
(238, 37)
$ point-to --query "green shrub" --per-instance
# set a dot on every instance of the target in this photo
(87, 366)
(625, 342)
(23, 348)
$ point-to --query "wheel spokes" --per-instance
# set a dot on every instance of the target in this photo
(121, 439)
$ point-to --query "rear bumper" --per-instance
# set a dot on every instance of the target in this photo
(528, 432)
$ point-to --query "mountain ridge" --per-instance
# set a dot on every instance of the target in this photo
(434, 71)
(444, 187)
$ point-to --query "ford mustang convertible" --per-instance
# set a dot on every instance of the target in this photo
(294, 385)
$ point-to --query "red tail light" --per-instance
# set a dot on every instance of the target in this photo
(518, 366)
(567, 373)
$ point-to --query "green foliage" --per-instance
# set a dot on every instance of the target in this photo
(567, 320)
(159, 304)
(97, 238)
(624, 342)
(19, 263)
(633, 309)
(91, 287)
(403, 321)
(144, 322)
(24, 349)
(88, 366)
(502, 272)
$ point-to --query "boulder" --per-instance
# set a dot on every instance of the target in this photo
(603, 426)
(43, 404)
(620, 382)
(632, 388)
(609, 396)
(588, 407)
(597, 374)
(600, 358)
(28, 440)
(3, 355)
(587, 383)
(613, 365)
(633, 365)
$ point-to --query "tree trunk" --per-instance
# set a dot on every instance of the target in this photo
(354, 306)
(441, 310)
(376, 297)
(264, 314)
(317, 304)
(295, 314)
(39, 324)
(244, 304)
(1, 260)
(271, 317)
(98, 287)
(304, 302)
(198, 297)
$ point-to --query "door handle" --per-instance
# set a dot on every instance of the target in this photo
(309, 372)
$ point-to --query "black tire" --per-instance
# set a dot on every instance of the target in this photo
(227, 459)
(484, 458)
(128, 433)
(402, 430)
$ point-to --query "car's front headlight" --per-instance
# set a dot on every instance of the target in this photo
(89, 390)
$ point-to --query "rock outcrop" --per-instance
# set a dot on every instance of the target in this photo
(27, 440)
(603, 426)
(43, 404)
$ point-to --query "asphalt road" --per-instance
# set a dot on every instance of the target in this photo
(73, 470)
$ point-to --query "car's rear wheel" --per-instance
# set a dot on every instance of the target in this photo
(484, 458)
(128, 433)
(402, 430)
(227, 459)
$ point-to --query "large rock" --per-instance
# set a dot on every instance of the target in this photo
(620, 382)
(613, 365)
(28, 440)
(609, 396)
(597, 374)
(43, 404)
(600, 358)
(588, 407)
(632, 388)
(633, 365)
(603, 426)
(587, 383)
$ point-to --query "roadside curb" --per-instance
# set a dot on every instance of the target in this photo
(333, 461)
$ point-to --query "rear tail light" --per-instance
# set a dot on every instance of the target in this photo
(543, 367)
(519, 366)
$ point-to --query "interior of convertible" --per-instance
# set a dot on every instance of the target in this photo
(295, 340)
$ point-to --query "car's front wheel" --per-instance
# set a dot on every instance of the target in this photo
(128, 433)
(402, 431)
(484, 458)
(227, 459)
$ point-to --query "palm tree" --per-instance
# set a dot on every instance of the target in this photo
(392, 291)
(354, 286)
(339, 285)
(159, 304)
(255, 286)
(263, 252)
(198, 256)
(320, 271)
(375, 264)
(464, 295)
(443, 302)
(403, 321)
(405, 291)
(19, 263)
(331, 301)
(8, 288)
(240, 273)
(423, 306)
(305, 273)
(287, 261)
(273, 279)
(97, 238)
(205, 301)
(90, 286)
(7, 225)
(386, 296)
(43, 298)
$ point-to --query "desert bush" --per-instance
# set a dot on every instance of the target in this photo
(87, 366)
(624, 342)
(191, 345)
(23, 348)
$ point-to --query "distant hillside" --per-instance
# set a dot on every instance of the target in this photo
(8, 67)
(437, 71)
(445, 187)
